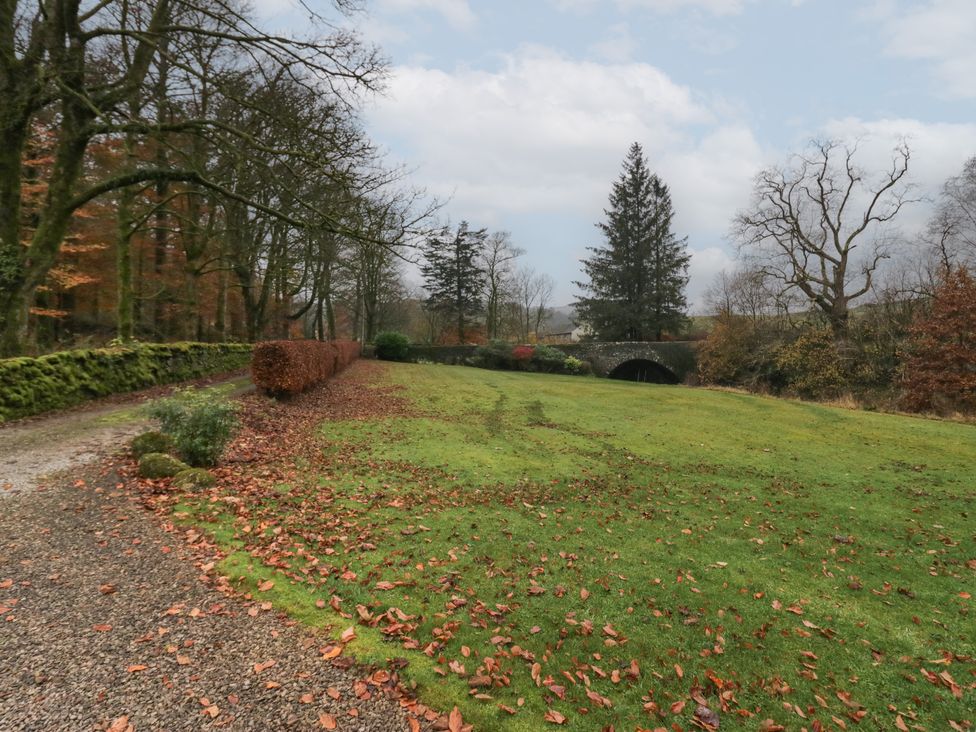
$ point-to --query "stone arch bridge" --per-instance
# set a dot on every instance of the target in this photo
(671, 362)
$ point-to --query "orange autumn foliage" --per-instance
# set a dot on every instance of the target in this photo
(939, 371)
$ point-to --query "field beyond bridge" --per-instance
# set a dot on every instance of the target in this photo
(544, 550)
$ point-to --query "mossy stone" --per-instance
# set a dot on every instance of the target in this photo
(149, 442)
(193, 479)
(159, 465)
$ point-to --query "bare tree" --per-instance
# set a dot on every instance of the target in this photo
(532, 293)
(953, 227)
(498, 260)
(821, 225)
(746, 293)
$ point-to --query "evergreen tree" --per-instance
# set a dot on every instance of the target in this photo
(453, 276)
(637, 278)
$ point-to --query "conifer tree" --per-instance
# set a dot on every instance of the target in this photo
(453, 276)
(637, 278)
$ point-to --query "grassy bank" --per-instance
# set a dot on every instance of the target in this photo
(603, 553)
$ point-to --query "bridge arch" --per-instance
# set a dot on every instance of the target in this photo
(643, 370)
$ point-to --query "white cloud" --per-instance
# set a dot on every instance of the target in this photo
(940, 31)
(457, 12)
(938, 152)
(546, 133)
(543, 136)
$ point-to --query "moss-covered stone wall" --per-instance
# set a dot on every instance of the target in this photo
(34, 385)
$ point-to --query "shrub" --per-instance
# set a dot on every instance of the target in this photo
(151, 442)
(812, 365)
(521, 357)
(392, 346)
(193, 479)
(201, 424)
(34, 385)
(740, 352)
(494, 355)
(573, 365)
(156, 465)
(542, 358)
(548, 359)
(282, 368)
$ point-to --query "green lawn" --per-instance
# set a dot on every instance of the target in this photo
(620, 553)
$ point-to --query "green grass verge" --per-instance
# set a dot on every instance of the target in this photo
(777, 559)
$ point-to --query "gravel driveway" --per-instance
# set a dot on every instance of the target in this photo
(110, 620)
(107, 622)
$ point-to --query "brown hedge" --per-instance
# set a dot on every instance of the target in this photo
(290, 367)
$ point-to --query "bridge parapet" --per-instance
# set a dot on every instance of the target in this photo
(677, 357)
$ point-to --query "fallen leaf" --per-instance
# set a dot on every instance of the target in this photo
(121, 724)
(555, 717)
(264, 666)
(327, 721)
(454, 721)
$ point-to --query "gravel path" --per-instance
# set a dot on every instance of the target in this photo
(107, 622)
(35, 449)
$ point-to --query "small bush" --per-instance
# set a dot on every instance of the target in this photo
(156, 465)
(812, 365)
(149, 442)
(193, 479)
(549, 360)
(392, 346)
(201, 424)
(282, 368)
(521, 355)
(573, 365)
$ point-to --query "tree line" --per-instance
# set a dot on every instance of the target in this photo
(172, 170)
(476, 290)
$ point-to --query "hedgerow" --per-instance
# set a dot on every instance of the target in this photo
(33, 385)
(282, 368)
(540, 358)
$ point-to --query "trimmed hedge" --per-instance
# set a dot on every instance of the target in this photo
(281, 368)
(34, 385)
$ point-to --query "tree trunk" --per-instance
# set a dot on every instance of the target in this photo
(124, 314)
(220, 318)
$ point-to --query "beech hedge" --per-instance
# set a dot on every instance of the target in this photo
(33, 385)
(283, 368)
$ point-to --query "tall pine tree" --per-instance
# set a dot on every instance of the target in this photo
(637, 278)
(453, 276)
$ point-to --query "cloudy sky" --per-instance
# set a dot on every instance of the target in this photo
(521, 111)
